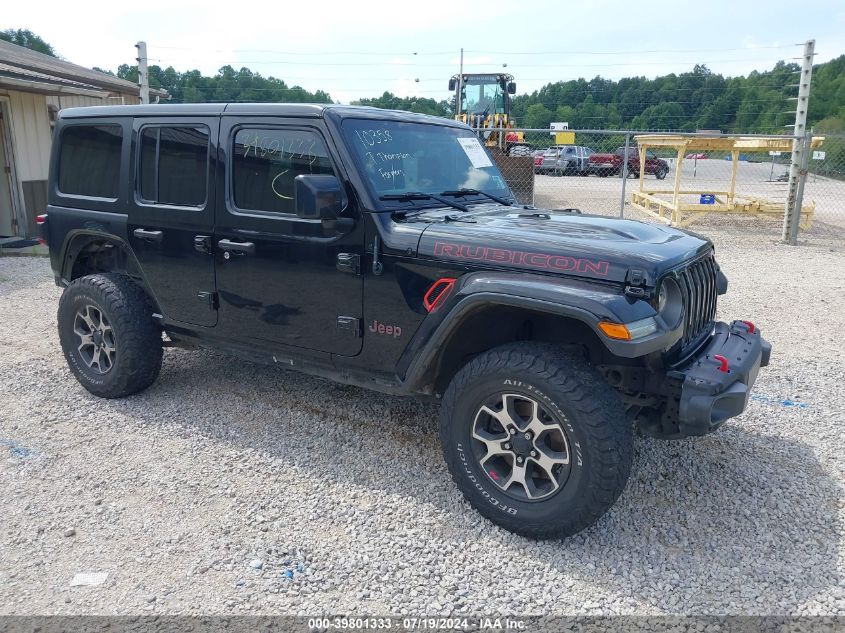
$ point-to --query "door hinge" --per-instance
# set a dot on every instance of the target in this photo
(350, 325)
(209, 298)
(348, 263)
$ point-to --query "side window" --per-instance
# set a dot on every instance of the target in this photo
(173, 165)
(265, 163)
(89, 160)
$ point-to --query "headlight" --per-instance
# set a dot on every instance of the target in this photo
(670, 302)
(662, 298)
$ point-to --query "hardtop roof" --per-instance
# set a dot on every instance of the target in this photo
(305, 110)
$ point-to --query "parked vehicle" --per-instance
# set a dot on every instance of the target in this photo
(563, 160)
(538, 160)
(611, 164)
(697, 156)
(345, 242)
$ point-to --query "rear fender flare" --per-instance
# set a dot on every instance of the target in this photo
(76, 241)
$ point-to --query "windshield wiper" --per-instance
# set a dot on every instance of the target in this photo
(408, 196)
(459, 193)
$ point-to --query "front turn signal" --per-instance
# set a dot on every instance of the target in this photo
(615, 330)
(628, 331)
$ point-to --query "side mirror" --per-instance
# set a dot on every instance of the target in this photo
(317, 196)
(512, 88)
(452, 84)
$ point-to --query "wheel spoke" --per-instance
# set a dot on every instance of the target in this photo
(538, 427)
(493, 443)
(548, 460)
(509, 401)
(96, 318)
(519, 476)
(87, 318)
(501, 416)
(105, 359)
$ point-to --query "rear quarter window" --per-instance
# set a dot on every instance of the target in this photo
(89, 160)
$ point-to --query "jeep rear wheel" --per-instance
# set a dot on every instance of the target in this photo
(108, 336)
(536, 440)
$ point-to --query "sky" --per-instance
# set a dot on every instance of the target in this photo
(354, 50)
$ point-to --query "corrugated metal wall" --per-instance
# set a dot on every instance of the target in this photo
(78, 101)
(32, 136)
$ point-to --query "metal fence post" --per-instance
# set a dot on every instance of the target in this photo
(802, 178)
(800, 149)
(624, 175)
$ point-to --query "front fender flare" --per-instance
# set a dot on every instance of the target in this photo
(586, 301)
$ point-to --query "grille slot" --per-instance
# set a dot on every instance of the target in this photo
(698, 289)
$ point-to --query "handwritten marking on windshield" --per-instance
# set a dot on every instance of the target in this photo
(369, 138)
(545, 261)
(377, 157)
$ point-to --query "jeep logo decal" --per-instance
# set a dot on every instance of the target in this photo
(544, 261)
(388, 330)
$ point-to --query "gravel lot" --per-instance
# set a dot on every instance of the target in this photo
(234, 488)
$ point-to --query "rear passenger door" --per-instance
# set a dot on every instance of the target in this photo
(171, 211)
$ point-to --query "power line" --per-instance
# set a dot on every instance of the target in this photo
(296, 63)
(637, 52)
(477, 51)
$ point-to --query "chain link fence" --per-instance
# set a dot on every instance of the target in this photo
(587, 172)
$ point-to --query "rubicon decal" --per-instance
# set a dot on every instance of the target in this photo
(543, 261)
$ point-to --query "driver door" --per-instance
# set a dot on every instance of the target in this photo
(278, 278)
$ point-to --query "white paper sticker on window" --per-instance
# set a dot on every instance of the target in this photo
(475, 152)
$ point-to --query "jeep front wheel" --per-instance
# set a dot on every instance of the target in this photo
(108, 336)
(536, 440)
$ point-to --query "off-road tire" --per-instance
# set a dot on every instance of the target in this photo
(587, 409)
(136, 337)
(661, 173)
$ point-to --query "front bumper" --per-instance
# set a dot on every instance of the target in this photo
(717, 383)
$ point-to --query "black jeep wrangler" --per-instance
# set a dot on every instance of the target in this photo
(384, 249)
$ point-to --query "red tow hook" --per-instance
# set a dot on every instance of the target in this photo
(723, 362)
(751, 328)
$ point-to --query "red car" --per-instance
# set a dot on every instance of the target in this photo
(611, 164)
(538, 159)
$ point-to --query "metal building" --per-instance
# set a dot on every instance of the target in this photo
(33, 88)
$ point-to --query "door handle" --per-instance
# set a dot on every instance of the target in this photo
(238, 247)
(144, 234)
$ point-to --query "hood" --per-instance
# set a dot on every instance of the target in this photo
(590, 246)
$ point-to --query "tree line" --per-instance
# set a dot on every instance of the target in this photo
(761, 102)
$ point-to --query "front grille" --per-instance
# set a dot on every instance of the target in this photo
(698, 288)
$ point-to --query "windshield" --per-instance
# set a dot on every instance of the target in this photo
(483, 97)
(397, 157)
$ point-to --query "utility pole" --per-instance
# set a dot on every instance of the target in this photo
(800, 149)
(460, 86)
(143, 77)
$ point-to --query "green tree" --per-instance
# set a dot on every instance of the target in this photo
(27, 39)
(390, 101)
(538, 117)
